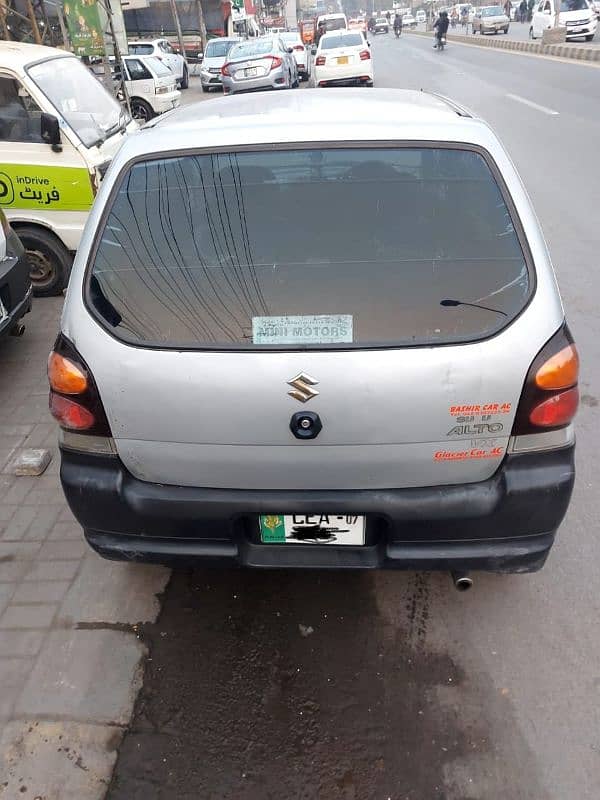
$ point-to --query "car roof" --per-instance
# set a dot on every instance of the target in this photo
(18, 55)
(386, 115)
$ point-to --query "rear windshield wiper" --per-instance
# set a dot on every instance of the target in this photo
(452, 303)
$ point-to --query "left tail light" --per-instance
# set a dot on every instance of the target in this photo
(365, 55)
(275, 62)
(74, 398)
(225, 70)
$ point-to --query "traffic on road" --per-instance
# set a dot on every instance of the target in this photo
(306, 515)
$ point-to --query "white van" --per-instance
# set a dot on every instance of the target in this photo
(59, 129)
(333, 22)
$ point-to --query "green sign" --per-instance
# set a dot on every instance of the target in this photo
(85, 28)
(49, 188)
(272, 529)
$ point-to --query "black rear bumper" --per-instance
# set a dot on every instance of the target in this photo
(504, 524)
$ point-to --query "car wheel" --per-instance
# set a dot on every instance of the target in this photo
(531, 36)
(505, 31)
(296, 82)
(49, 260)
(141, 110)
(185, 81)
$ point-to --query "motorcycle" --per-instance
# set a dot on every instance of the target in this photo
(397, 31)
(441, 43)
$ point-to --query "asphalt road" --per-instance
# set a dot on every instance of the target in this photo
(519, 32)
(389, 685)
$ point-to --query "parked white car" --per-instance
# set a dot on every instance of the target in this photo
(576, 15)
(215, 56)
(421, 17)
(292, 39)
(342, 58)
(163, 50)
(151, 87)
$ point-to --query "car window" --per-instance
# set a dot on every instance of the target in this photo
(259, 48)
(159, 67)
(407, 246)
(137, 70)
(343, 40)
(141, 49)
(493, 11)
(574, 5)
(20, 116)
(217, 49)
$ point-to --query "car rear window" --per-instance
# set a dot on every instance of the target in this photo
(308, 248)
(217, 49)
(141, 49)
(259, 48)
(343, 40)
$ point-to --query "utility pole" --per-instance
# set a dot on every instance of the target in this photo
(34, 26)
(118, 57)
(201, 24)
(178, 29)
(3, 26)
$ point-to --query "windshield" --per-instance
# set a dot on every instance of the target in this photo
(141, 49)
(78, 97)
(160, 70)
(260, 48)
(348, 40)
(339, 23)
(574, 5)
(494, 11)
(217, 49)
(206, 250)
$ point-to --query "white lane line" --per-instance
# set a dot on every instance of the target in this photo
(543, 109)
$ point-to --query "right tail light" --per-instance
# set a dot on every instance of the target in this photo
(225, 71)
(320, 62)
(550, 397)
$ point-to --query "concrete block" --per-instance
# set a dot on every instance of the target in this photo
(84, 675)
(40, 592)
(24, 617)
(30, 462)
(63, 550)
(57, 760)
(52, 571)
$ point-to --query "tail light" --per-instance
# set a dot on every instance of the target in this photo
(320, 62)
(225, 70)
(550, 397)
(74, 398)
(365, 55)
(275, 62)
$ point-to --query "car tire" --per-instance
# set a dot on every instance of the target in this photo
(141, 110)
(296, 83)
(49, 260)
(531, 36)
(185, 81)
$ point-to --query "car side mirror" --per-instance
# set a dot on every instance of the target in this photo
(50, 131)
(313, 52)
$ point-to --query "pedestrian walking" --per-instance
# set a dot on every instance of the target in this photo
(523, 11)
(507, 8)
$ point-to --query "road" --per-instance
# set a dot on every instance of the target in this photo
(389, 685)
(519, 32)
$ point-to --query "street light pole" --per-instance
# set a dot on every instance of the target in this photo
(178, 29)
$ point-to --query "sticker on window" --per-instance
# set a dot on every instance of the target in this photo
(319, 329)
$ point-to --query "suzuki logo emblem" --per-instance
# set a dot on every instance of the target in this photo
(302, 387)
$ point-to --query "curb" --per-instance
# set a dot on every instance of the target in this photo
(537, 48)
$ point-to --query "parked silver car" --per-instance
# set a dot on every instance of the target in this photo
(265, 63)
(292, 338)
(215, 56)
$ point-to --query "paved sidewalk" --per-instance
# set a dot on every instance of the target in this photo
(70, 660)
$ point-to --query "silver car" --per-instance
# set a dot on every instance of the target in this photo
(215, 56)
(265, 63)
(388, 383)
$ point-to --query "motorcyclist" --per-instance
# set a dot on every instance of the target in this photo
(398, 24)
(371, 24)
(441, 27)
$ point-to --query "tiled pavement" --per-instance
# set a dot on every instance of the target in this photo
(70, 660)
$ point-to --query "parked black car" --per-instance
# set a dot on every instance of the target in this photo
(15, 284)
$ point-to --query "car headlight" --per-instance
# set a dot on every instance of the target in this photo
(161, 90)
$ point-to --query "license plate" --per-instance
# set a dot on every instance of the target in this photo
(251, 72)
(342, 60)
(340, 529)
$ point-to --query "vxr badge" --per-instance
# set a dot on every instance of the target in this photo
(302, 387)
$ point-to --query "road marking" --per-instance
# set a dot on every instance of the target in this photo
(543, 109)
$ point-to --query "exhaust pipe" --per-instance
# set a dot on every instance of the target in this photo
(462, 581)
(18, 329)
